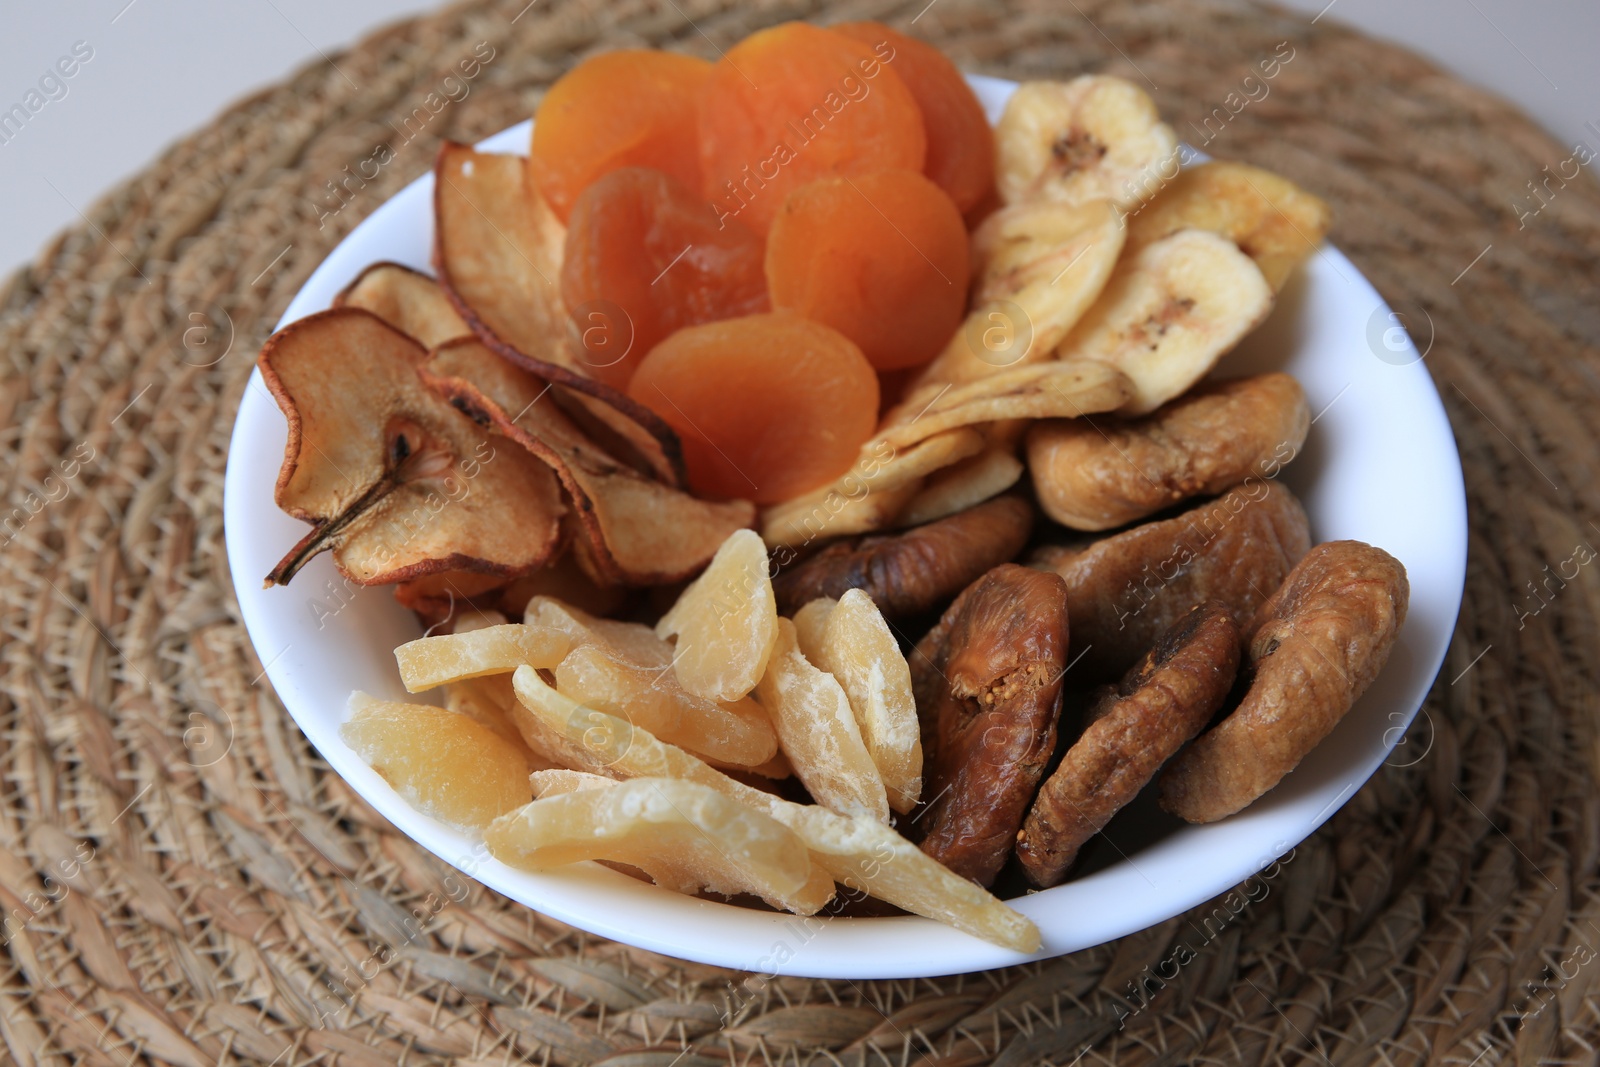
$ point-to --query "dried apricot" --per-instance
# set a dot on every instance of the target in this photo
(768, 406)
(630, 108)
(960, 140)
(881, 257)
(795, 103)
(644, 258)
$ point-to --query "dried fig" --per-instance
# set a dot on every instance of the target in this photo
(1100, 475)
(1313, 648)
(915, 571)
(1161, 703)
(1123, 591)
(988, 685)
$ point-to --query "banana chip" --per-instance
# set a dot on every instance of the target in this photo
(860, 853)
(1062, 389)
(409, 301)
(686, 837)
(1271, 219)
(967, 484)
(1092, 137)
(433, 661)
(819, 733)
(1170, 312)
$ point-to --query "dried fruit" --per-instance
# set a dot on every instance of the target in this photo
(558, 781)
(433, 661)
(1096, 476)
(442, 763)
(794, 103)
(1169, 313)
(768, 406)
(645, 257)
(960, 156)
(409, 301)
(630, 108)
(1125, 590)
(857, 647)
(637, 531)
(880, 257)
(1092, 137)
(860, 853)
(818, 732)
(1271, 219)
(1037, 267)
(1040, 391)
(963, 485)
(988, 684)
(1161, 703)
(396, 482)
(685, 836)
(910, 573)
(497, 250)
(488, 701)
(726, 622)
(1312, 650)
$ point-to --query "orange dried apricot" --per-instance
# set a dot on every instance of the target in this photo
(645, 257)
(630, 108)
(768, 406)
(794, 103)
(960, 140)
(882, 258)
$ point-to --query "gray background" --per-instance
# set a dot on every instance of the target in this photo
(163, 67)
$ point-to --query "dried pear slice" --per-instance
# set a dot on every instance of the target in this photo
(640, 532)
(496, 251)
(1169, 314)
(406, 299)
(685, 836)
(397, 482)
(1271, 219)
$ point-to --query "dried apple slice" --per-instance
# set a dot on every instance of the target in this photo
(397, 483)
(498, 259)
(639, 532)
(860, 853)
(685, 836)
(408, 300)
(443, 763)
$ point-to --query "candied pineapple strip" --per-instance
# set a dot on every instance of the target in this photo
(861, 853)
(725, 622)
(684, 835)
(818, 732)
(433, 661)
(443, 763)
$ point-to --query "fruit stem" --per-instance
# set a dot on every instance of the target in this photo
(318, 540)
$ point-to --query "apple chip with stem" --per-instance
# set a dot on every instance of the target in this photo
(406, 299)
(639, 531)
(685, 836)
(396, 482)
(497, 253)
(860, 853)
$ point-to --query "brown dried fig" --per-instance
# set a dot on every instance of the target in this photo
(1123, 591)
(915, 571)
(1161, 703)
(988, 684)
(1313, 648)
(1104, 473)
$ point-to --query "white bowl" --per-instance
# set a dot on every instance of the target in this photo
(1380, 466)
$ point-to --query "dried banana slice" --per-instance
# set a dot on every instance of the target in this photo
(967, 484)
(1271, 219)
(1094, 136)
(1169, 313)
(1038, 267)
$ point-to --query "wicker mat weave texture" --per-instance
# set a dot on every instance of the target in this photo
(184, 882)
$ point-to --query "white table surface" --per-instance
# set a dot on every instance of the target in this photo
(160, 68)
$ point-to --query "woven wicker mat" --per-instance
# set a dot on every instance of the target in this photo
(184, 882)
